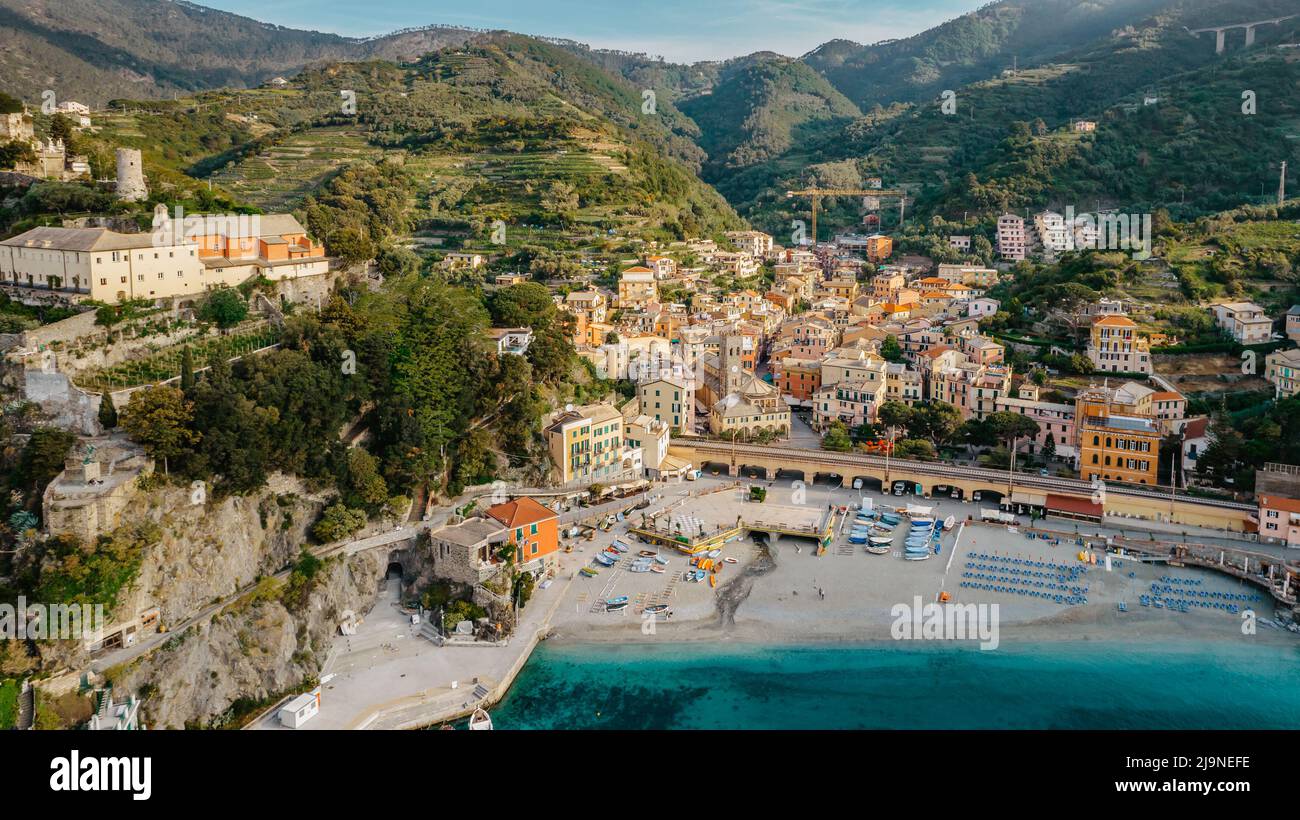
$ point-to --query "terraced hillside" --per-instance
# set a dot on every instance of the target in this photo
(515, 130)
(280, 176)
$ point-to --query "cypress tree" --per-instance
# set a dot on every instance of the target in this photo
(107, 412)
(187, 369)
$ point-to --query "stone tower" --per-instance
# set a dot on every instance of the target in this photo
(130, 175)
(730, 363)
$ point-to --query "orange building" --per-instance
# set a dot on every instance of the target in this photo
(879, 247)
(798, 377)
(1116, 441)
(533, 528)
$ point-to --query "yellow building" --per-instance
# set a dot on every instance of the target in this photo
(586, 443)
(1282, 369)
(1114, 346)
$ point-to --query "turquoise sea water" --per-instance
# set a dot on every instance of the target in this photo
(1220, 685)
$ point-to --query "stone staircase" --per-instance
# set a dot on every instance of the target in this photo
(429, 631)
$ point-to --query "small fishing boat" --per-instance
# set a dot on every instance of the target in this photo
(639, 568)
(699, 575)
(590, 572)
(647, 553)
(657, 568)
(619, 546)
(714, 553)
(879, 540)
(877, 549)
(622, 599)
(616, 607)
(731, 560)
(480, 721)
(916, 556)
(660, 560)
(713, 581)
(605, 559)
(655, 609)
(949, 522)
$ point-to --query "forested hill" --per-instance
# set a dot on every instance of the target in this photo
(1174, 128)
(971, 47)
(759, 109)
(96, 50)
(511, 129)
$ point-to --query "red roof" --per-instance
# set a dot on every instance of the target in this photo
(1277, 502)
(1115, 321)
(1076, 506)
(520, 513)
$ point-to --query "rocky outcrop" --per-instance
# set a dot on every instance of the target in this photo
(264, 643)
(211, 549)
(257, 649)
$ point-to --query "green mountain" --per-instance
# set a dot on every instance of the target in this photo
(761, 107)
(1170, 130)
(969, 48)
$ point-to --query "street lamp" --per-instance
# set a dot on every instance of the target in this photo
(888, 452)
(1011, 469)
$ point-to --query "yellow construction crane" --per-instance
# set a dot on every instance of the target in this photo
(816, 194)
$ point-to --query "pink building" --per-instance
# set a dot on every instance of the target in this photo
(1055, 421)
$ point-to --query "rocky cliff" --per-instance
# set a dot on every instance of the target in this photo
(262, 644)
(257, 649)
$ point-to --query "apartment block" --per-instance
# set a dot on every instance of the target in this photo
(586, 444)
(1282, 369)
(1116, 442)
(1011, 237)
(1245, 322)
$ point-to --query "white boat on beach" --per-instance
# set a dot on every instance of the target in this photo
(480, 721)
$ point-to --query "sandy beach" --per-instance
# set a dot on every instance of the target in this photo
(785, 593)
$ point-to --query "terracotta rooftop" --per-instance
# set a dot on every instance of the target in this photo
(520, 513)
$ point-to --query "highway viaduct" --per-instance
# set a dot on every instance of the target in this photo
(1152, 504)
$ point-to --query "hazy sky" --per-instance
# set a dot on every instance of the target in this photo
(679, 30)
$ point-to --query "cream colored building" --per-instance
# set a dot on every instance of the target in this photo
(637, 287)
(756, 243)
(669, 400)
(1114, 346)
(79, 264)
(1282, 369)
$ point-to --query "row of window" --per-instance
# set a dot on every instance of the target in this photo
(1136, 445)
(1127, 463)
